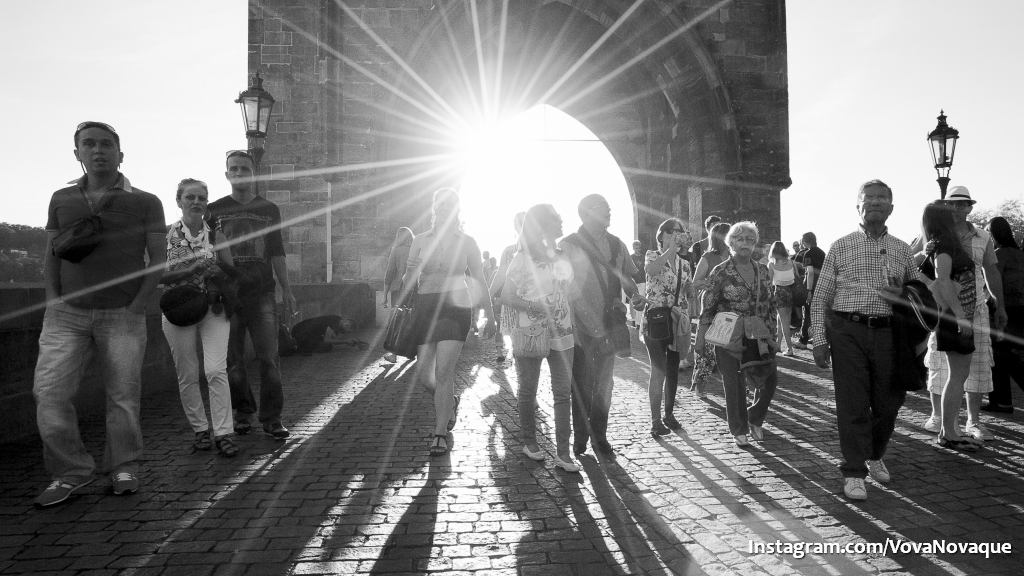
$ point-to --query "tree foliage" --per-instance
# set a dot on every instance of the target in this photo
(1012, 210)
(15, 240)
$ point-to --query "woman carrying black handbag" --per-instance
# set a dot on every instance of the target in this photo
(668, 280)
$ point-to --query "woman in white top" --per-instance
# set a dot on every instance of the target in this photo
(442, 315)
(535, 287)
(192, 259)
(668, 281)
(783, 274)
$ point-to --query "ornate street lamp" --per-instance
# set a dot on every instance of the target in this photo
(256, 104)
(943, 142)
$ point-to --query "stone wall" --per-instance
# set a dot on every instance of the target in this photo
(19, 338)
(690, 96)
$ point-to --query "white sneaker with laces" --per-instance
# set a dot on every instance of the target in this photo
(741, 440)
(854, 489)
(932, 424)
(979, 432)
(878, 471)
(567, 465)
(538, 455)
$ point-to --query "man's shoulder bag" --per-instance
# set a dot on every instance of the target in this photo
(77, 240)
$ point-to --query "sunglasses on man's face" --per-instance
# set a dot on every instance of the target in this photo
(93, 124)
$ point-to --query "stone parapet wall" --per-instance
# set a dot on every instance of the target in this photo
(19, 338)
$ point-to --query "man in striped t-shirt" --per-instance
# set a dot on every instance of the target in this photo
(859, 268)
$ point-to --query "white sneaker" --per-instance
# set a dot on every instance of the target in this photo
(756, 433)
(932, 424)
(878, 471)
(979, 432)
(854, 489)
(741, 440)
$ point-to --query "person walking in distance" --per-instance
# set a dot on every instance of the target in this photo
(96, 308)
(251, 227)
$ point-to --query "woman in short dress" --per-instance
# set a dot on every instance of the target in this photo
(445, 296)
(704, 356)
(784, 276)
(535, 287)
(956, 297)
(667, 282)
(191, 259)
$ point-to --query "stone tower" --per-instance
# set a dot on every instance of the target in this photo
(690, 97)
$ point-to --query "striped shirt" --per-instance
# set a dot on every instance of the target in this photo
(854, 271)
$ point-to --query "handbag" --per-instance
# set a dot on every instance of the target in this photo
(531, 341)
(725, 331)
(799, 291)
(658, 321)
(81, 237)
(400, 337)
(185, 304)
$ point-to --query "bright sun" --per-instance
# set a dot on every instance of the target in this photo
(540, 156)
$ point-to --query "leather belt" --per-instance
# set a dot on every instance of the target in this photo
(869, 321)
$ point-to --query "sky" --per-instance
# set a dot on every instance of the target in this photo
(867, 80)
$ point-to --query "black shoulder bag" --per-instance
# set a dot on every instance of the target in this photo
(76, 241)
(658, 321)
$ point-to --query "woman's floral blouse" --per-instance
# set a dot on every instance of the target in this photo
(729, 292)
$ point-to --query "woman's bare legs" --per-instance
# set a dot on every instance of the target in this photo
(786, 330)
(953, 393)
(445, 359)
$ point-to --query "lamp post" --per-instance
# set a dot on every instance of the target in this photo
(943, 144)
(256, 104)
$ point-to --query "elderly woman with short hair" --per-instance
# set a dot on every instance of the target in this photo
(741, 285)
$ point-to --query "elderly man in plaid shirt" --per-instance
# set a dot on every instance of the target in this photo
(859, 268)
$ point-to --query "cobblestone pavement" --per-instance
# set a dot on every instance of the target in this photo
(354, 490)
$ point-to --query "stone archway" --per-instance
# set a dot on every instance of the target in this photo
(690, 98)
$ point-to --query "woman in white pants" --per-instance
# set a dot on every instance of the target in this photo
(192, 259)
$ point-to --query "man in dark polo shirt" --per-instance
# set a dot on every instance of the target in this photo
(95, 309)
(251, 225)
(698, 248)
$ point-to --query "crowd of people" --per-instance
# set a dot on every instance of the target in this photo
(109, 249)
(566, 299)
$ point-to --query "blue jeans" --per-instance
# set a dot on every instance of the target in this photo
(592, 365)
(261, 325)
(867, 399)
(528, 373)
(70, 339)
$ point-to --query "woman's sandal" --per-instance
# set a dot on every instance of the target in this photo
(226, 446)
(958, 444)
(202, 441)
(439, 446)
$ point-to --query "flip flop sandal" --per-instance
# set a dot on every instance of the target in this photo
(439, 446)
(202, 441)
(227, 447)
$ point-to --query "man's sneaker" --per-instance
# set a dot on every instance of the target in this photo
(124, 483)
(277, 430)
(741, 440)
(390, 358)
(878, 471)
(59, 491)
(932, 424)
(854, 489)
(979, 432)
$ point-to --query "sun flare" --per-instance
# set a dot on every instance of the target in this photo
(540, 156)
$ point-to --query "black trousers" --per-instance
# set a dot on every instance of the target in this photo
(867, 398)
(592, 364)
(1009, 358)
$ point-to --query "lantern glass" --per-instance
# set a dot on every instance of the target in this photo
(250, 113)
